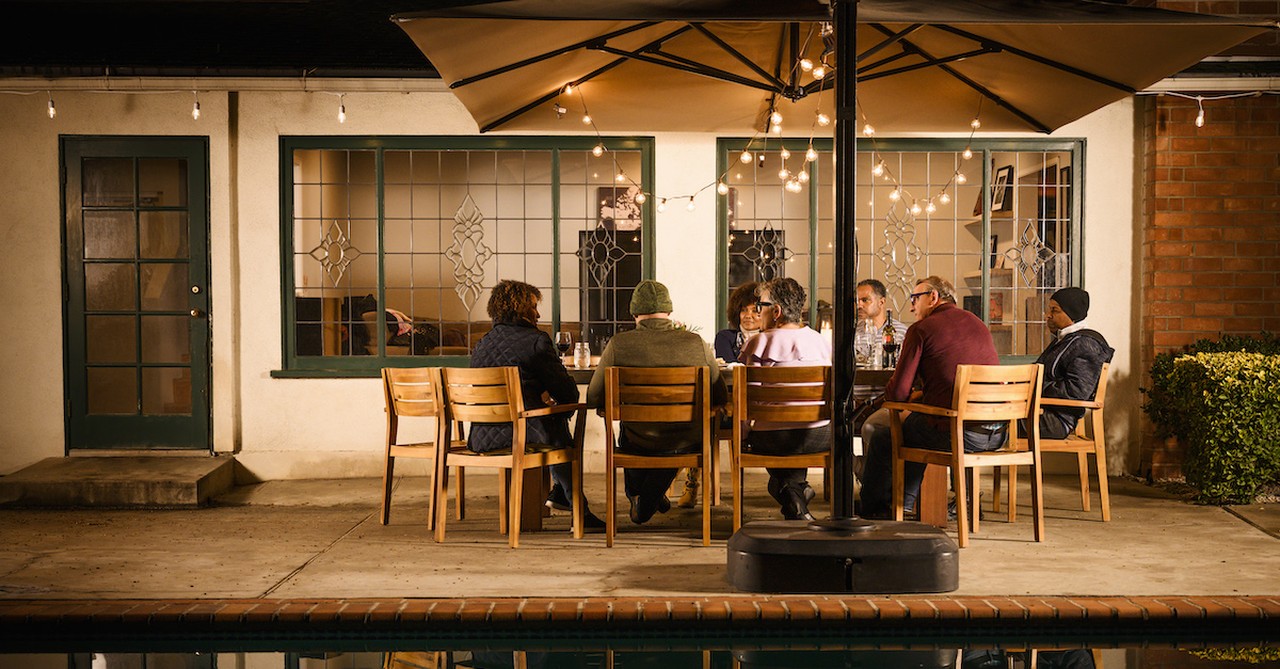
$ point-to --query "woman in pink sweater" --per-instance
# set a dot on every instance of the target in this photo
(787, 341)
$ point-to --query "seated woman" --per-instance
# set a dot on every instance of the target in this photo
(786, 341)
(515, 340)
(744, 322)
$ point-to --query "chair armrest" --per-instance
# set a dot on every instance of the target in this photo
(916, 407)
(552, 410)
(1059, 402)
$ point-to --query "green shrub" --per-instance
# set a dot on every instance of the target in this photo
(1160, 404)
(1227, 412)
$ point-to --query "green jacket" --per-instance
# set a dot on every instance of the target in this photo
(656, 343)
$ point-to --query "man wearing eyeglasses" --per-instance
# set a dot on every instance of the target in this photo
(942, 337)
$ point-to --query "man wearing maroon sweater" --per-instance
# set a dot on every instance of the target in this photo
(942, 337)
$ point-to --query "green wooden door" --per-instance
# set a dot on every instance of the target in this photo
(137, 299)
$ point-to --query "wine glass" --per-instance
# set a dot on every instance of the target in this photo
(564, 342)
(890, 354)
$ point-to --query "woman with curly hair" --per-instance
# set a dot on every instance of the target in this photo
(515, 340)
(744, 322)
(787, 341)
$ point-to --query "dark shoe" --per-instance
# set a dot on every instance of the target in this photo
(558, 499)
(591, 524)
(798, 498)
(664, 504)
(951, 512)
(641, 512)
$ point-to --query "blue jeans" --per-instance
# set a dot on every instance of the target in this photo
(918, 431)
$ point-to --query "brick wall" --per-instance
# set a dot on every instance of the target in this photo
(1211, 243)
(1250, 10)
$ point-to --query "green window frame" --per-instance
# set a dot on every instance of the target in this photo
(1011, 276)
(377, 194)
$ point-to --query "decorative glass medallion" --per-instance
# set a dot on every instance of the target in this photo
(335, 252)
(601, 252)
(899, 253)
(768, 252)
(1030, 255)
(468, 253)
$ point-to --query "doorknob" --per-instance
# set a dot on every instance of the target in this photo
(196, 313)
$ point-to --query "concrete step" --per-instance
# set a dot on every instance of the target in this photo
(119, 481)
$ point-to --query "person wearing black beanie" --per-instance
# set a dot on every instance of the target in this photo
(1072, 362)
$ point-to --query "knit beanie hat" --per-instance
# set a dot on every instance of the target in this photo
(650, 297)
(1074, 303)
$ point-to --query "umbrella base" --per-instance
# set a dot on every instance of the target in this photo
(892, 557)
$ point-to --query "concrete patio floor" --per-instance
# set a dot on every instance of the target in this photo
(320, 539)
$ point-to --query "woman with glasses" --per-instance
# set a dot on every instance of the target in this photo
(787, 341)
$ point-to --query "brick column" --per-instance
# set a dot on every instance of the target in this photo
(1211, 226)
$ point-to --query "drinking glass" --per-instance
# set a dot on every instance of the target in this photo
(564, 342)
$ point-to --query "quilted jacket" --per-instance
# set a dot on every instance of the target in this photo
(523, 345)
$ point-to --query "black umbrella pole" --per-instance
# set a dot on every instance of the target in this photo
(844, 302)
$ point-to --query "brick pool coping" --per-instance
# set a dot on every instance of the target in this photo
(636, 614)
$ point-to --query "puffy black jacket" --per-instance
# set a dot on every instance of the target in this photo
(541, 370)
(1072, 364)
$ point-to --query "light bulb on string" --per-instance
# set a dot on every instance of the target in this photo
(811, 155)
(802, 176)
(662, 205)
(342, 109)
(878, 169)
(691, 206)
(641, 197)
(895, 194)
(819, 72)
(868, 130)
(1200, 113)
(775, 129)
(823, 119)
(785, 154)
(775, 118)
(620, 177)
(915, 208)
(53, 110)
(794, 186)
(195, 107)
(568, 89)
(784, 173)
(597, 150)
(722, 188)
(967, 153)
(975, 123)
(961, 178)
(944, 198)
(586, 119)
(806, 64)
(745, 157)
(930, 207)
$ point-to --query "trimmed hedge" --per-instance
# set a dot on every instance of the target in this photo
(1226, 409)
(1161, 405)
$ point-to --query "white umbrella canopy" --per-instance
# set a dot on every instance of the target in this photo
(722, 66)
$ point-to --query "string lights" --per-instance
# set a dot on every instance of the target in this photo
(53, 110)
(195, 106)
(342, 108)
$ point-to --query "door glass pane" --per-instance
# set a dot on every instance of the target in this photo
(109, 234)
(110, 287)
(162, 182)
(164, 286)
(113, 390)
(107, 182)
(166, 390)
(110, 339)
(164, 234)
(165, 339)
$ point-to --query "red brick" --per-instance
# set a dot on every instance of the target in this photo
(833, 610)
(800, 609)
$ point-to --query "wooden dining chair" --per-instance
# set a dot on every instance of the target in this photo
(776, 394)
(492, 395)
(1089, 438)
(987, 394)
(657, 395)
(414, 393)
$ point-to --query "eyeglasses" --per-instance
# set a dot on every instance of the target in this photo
(915, 296)
(763, 304)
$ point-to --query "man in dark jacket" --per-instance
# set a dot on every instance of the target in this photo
(1072, 362)
(654, 343)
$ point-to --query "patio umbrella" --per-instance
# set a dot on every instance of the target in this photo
(727, 65)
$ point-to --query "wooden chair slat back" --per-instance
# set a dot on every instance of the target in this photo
(412, 391)
(482, 395)
(682, 394)
(996, 392)
(655, 394)
(1101, 396)
(783, 394)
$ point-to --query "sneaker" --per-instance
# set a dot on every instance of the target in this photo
(591, 524)
(558, 500)
(689, 498)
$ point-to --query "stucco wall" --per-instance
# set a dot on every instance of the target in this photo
(316, 428)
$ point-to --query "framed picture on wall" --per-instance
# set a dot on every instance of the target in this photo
(1002, 189)
(618, 208)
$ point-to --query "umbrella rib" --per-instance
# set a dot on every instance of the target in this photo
(1039, 59)
(703, 70)
(1031, 120)
(727, 48)
(550, 96)
(550, 54)
(893, 39)
(933, 62)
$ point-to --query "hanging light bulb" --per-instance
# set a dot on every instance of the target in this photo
(784, 173)
(195, 107)
(930, 207)
(1200, 113)
(342, 108)
(819, 72)
(895, 194)
(53, 110)
(811, 155)
(868, 130)
(775, 118)
(662, 205)
(775, 129)
(620, 177)
(961, 178)
(568, 88)
(745, 157)
(691, 206)
(802, 176)
(586, 119)
(915, 208)
(944, 198)
(597, 150)
(794, 186)
(967, 154)
(722, 188)
(878, 169)
(823, 119)
(975, 123)
(785, 154)
(806, 64)
(641, 197)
